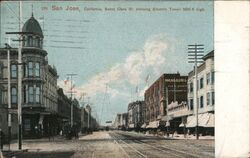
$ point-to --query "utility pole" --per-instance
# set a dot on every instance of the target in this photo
(71, 95)
(9, 99)
(19, 82)
(195, 54)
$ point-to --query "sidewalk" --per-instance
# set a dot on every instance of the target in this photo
(176, 136)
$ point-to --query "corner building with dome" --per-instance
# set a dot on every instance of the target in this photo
(39, 85)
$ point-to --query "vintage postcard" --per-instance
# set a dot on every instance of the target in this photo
(103, 79)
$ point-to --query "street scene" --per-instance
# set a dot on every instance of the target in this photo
(115, 79)
(118, 144)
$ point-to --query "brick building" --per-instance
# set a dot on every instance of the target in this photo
(165, 90)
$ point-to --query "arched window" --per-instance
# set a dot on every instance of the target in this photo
(13, 95)
(13, 71)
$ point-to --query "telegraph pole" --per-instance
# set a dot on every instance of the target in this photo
(71, 95)
(20, 81)
(9, 100)
(195, 54)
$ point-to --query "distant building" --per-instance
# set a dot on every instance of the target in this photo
(121, 121)
(136, 114)
(165, 90)
(206, 94)
(87, 120)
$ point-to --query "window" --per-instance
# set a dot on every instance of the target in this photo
(201, 83)
(208, 78)
(191, 103)
(208, 98)
(201, 101)
(212, 77)
(30, 41)
(31, 94)
(30, 69)
(38, 94)
(13, 71)
(1, 70)
(13, 95)
(37, 69)
(191, 87)
(1, 96)
(212, 98)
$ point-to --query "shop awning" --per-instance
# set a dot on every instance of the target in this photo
(144, 125)
(166, 118)
(153, 124)
(204, 120)
(131, 125)
(210, 122)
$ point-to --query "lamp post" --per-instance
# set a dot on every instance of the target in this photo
(195, 54)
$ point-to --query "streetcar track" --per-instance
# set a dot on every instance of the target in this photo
(164, 148)
(128, 145)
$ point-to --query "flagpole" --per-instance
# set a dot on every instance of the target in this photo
(71, 95)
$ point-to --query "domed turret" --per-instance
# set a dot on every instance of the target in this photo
(33, 36)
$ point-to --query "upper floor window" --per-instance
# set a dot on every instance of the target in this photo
(212, 77)
(191, 103)
(1, 70)
(191, 87)
(13, 95)
(38, 92)
(201, 83)
(37, 69)
(213, 98)
(30, 69)
(1, 96)
(208, 98)
(13, 71)
(208, 78)
(31, 94)
(201, 102)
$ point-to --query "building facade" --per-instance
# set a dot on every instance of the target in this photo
(136, 114)
(165, 90)
(121, 121)
(206, 93)
(39, 81)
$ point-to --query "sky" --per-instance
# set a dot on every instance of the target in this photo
(113, 51)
